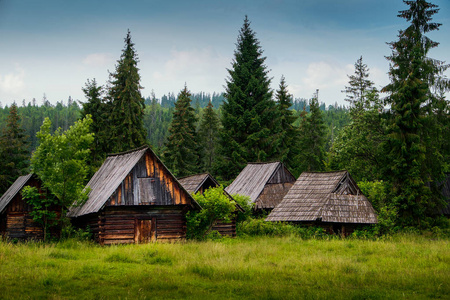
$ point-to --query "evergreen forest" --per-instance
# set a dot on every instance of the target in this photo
(395, 142)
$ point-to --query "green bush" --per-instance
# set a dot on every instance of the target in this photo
(215, 206)
(260, 227)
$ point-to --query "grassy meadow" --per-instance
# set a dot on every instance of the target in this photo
(400, 267)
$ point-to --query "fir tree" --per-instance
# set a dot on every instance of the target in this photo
(14, 153)
(359, 88)
(126, 106)
(249, 113)
(312, 140)
(97, 108)
(181, 151)
(409, 148)
(208, 134)
(289, 133)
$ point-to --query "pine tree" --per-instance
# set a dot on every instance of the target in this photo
(126, 106)
(412, 102)
(249, 113)
(181, 151)
(208, 137)
(359, 88)
(97, 108)
(312, 140)
(14, 150)
(288, 132)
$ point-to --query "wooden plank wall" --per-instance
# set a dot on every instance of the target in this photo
(226, 228)
(17, 222)
(281, 175)
(120, 225)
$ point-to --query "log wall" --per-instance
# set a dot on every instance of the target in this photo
(136, 224)
(16, 222)
(226, 228)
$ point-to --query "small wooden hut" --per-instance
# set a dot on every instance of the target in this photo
(15, 219)
(331, 200)
(265, 184)
(200, 183)
(134, 198)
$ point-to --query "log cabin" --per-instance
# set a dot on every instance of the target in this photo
(265, 184)
(331, 200)
(15, 219)
(199, 183)
(134, 198)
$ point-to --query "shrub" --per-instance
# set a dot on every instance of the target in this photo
(215, 206)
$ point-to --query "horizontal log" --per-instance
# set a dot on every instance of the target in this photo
(123, 241)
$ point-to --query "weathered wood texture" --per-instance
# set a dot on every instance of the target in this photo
(15, 219)
(332, 197)
(133, 178)
(136, 224)
(262, 179)
(145, 204)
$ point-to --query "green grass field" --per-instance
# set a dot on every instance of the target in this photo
(406, 267)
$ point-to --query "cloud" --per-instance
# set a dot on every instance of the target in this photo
(12, 83)
(98, 59)
(328, 77)
(202, 70)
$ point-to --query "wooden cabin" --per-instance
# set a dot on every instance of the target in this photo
(134, 198)
(265, 184)
(199, 184)
(15, 219)
(331, 200)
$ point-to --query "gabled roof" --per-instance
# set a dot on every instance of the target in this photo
(194, 182)
(108, 178)
(13, 190)
(326, 197)
(252, 179)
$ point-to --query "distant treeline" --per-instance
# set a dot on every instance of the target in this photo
(157, 118)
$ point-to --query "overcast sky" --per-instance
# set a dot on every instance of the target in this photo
(53, 47)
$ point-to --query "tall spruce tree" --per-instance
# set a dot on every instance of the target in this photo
(97, 108)
(126, 106)
(289, 146)
(181, 151)
(208, 138)
(359, 89)
(249, 114)
(312, 140)
(415, 162)
(14, 152)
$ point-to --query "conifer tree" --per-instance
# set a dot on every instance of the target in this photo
(14, 152)
(97, 108)
(208, 137)
(249, 114)
(181, 151)
(288, 132)
(359, 88)
(409, 148)
(126, 104)
(311, 155)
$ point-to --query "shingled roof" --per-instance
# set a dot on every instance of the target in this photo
(258, 177)
(327, 197)
(194, 182)
(108, 178)
(13, 190)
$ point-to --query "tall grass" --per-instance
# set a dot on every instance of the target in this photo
(403, 266)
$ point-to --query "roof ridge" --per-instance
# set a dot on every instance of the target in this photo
(129, 151)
